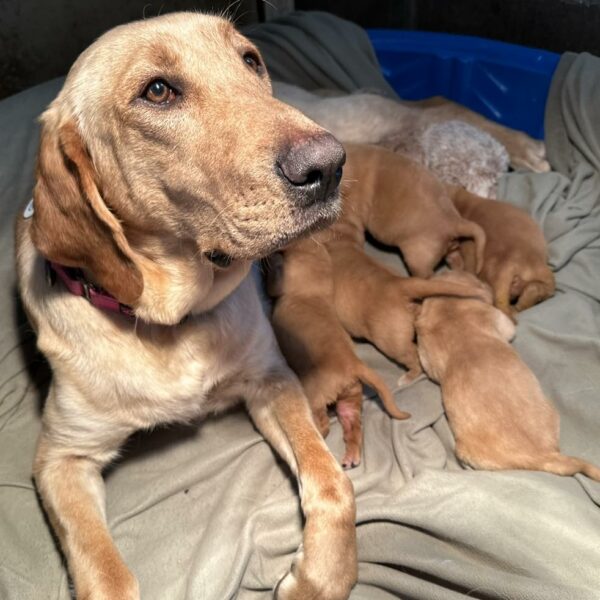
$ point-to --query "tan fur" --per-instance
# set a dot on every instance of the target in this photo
(135, 195)
(316, 345)
(374, 302)
(403, 204)
(515, 257)
(494, 403)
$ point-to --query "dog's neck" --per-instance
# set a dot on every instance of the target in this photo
(178, 279)
(177, 288)
(222, 283)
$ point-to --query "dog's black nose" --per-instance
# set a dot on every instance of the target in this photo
(312, 168)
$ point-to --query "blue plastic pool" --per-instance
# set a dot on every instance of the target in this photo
(505, 82)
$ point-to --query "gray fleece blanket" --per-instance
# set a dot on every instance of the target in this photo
(209, 512)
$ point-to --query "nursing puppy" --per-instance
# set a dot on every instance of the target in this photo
(495, 405)
(156, 186)
(404, 205)
(376, 303)
(515, 259)
(316, 345)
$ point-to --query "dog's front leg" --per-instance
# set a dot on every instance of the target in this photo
(325, 567)
(69, 480)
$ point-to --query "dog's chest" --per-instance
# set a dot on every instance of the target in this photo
(152, 374)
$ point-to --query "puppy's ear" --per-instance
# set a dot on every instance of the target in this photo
(71, 224)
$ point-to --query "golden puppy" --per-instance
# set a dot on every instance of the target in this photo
(376, 303)
(403, 204)
(494, 403)
(156, 187)
(515, 258)
(316, 345)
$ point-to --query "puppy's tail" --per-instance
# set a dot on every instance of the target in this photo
(471, 230)
(374, 380)
(559, 464)
(418, 289)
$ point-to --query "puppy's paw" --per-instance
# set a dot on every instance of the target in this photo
(410, 377)
(351, 458)
(321, 419)
(527, 153)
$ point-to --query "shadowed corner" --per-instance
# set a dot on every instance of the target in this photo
(36, 365)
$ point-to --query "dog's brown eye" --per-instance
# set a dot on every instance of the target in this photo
(159, 92)
(252, 60)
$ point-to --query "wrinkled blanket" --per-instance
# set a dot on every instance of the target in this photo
(208, 512)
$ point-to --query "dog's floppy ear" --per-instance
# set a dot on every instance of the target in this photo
(71, 224)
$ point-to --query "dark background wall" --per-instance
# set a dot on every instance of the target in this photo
(40, 39)
(557, 25)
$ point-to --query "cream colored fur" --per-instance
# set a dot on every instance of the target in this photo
(136, 195)
(367, 118)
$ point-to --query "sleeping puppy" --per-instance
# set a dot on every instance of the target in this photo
(494, 403)
(366, 118)
(316, 345)
(455, 152)
(376, 303)
(403, 204)
(156, 186)
(515, 257)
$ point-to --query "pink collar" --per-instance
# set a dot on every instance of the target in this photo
(76, 283)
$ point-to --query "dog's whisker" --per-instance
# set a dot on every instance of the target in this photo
(225, 13)
(270, 4)
(239, 17)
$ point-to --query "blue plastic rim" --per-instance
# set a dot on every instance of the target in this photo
(505, 82)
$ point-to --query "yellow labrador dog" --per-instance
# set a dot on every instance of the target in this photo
(165, 167)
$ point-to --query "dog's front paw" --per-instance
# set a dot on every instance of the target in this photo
(300, 584)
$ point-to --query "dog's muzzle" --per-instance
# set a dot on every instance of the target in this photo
(312, 169)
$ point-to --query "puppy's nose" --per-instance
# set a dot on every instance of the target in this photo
(312, 168)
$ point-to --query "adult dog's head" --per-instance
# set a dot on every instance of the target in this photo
(166, 166)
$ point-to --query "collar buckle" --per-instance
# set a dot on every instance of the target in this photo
(76, 283)
(85, 286)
